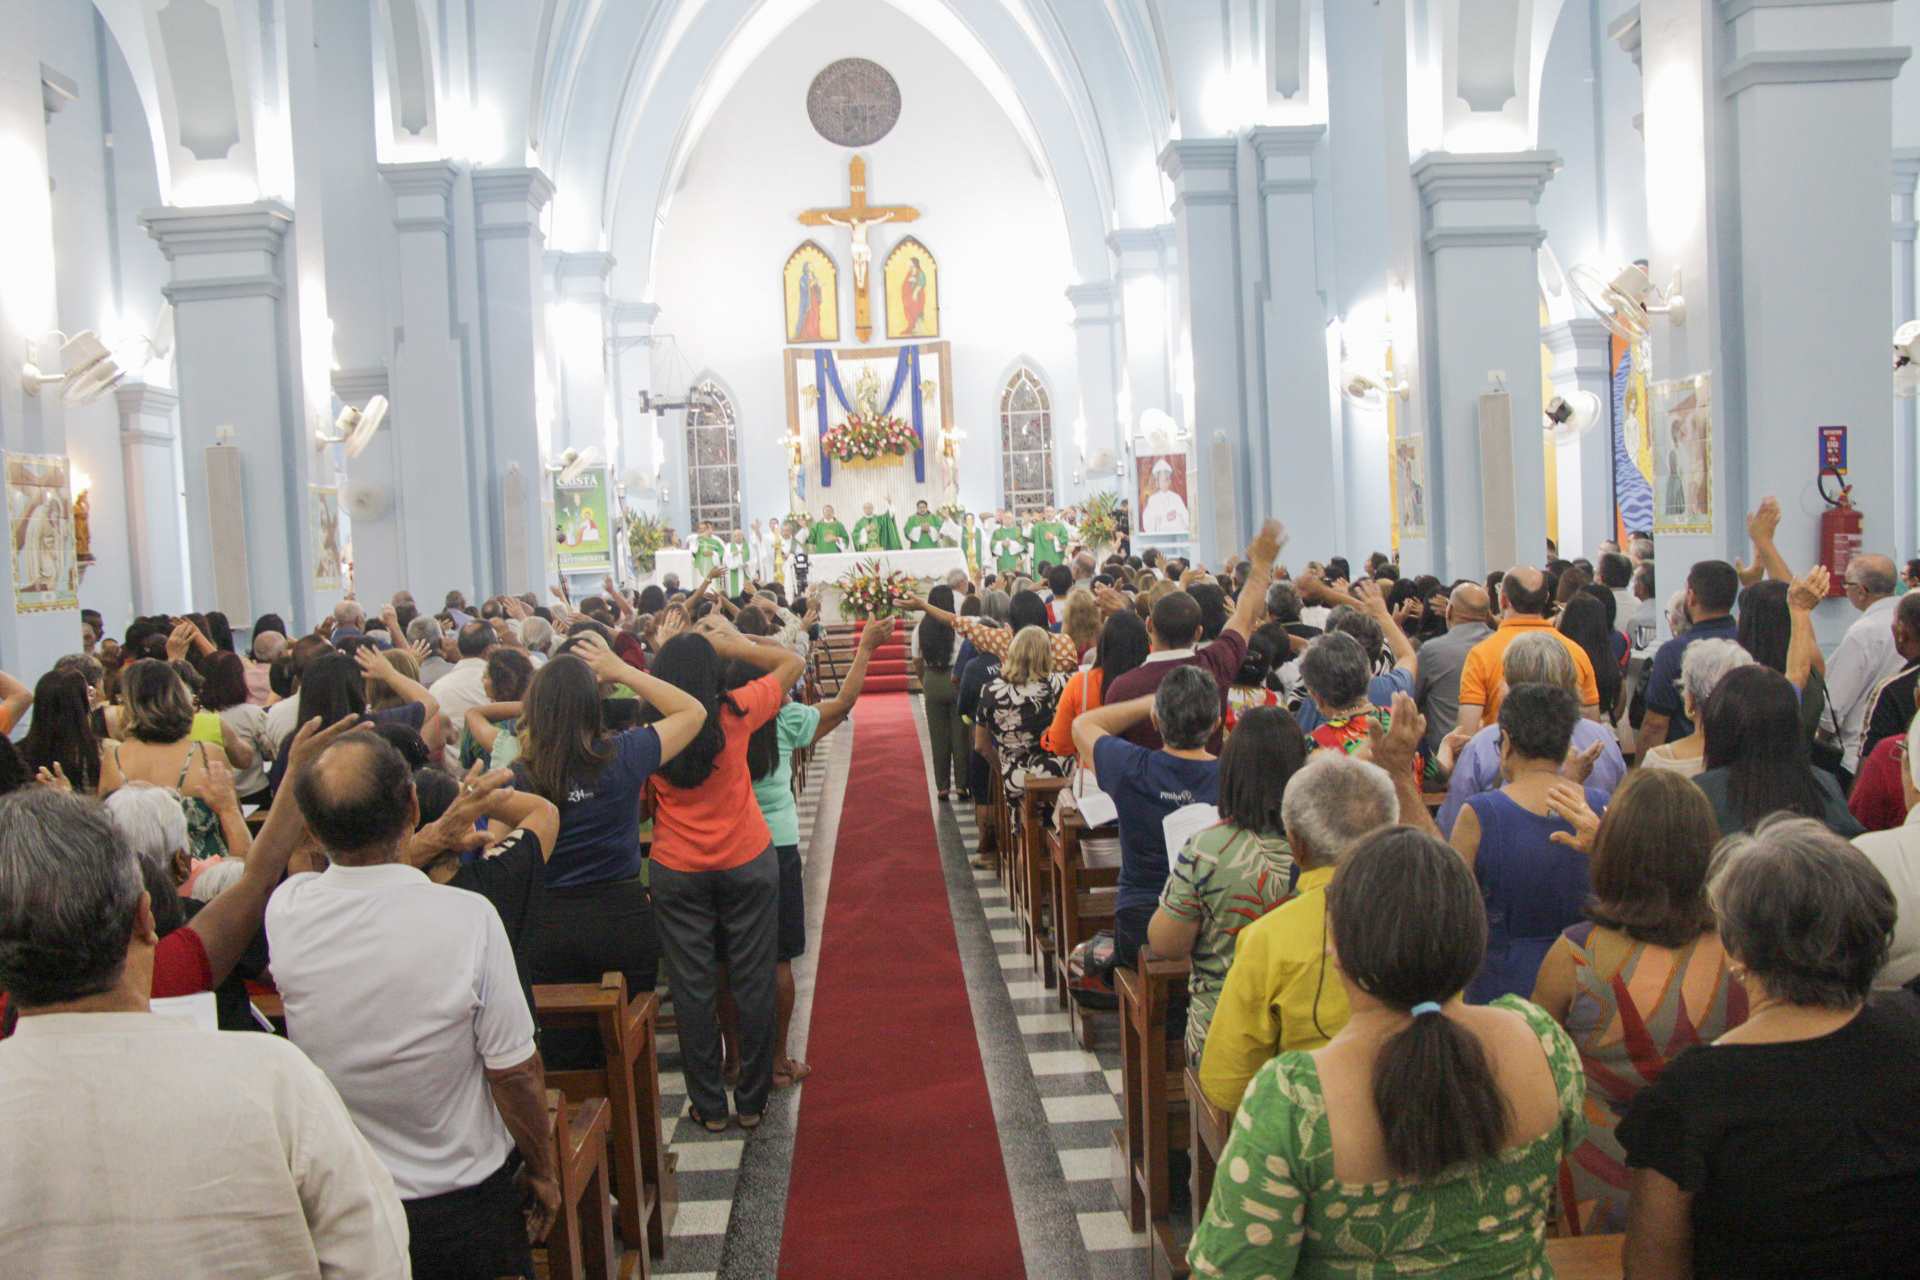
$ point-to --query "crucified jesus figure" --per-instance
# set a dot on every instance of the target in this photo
(862, 252)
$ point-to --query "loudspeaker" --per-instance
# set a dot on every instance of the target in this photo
(513, 533)
(227, 532)
(1497, 526)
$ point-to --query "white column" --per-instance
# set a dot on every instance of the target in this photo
(1906, 306)
(1097, 333)
(154, 543)
(1481, 312)
(1145, 265)
(236, 371)
(433, 522)
(1213, 401)
(1306, 474)
(518, 405)
(642, 448)
(1583, 361)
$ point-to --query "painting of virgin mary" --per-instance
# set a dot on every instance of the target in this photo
(812, 296)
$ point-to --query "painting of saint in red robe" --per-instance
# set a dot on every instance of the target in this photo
(913, 303)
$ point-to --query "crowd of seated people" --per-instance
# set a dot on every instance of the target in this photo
(1630, 977)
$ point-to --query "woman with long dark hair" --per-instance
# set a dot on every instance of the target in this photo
(61, 739)
(1583, 620)
(1757, 757)
(334, 688)
(933, 652)
(1421, 1110)
(715, 869)
(1768, 631)
(594, 913)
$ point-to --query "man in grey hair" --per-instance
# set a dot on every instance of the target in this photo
(425, 629)
(1280, 994)
(119, 1120)
(349, 620)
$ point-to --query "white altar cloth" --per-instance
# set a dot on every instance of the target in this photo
(930, 565)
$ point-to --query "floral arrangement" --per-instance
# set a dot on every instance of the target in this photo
(953, 511)
(1100, 526)
(866, 437)
(646, 536)
(868, 591)
(802, 521)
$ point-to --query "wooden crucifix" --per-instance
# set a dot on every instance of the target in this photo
(856, 218)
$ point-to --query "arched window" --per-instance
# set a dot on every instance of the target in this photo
(1026, 443)
(713, 461)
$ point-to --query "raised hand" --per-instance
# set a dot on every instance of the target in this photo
(420, 649)
(1266, 545)
(55, 779)
(873, 635)
(1568, 802)
(218, 790)
(180, 640)
(673, 620)
(1809, 589)
(375, 664)
(310, 740)
(1764, 520)
(1396, 749)
(1579, 765)
(596, 653)
(1109, 599)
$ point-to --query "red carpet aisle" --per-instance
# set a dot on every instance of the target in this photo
(897, 1169)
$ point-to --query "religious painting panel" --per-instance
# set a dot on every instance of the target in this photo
(812, 284)
(913, 292)
(1682, 424)
(1162, 479)
(583, 521)
(323, 505)
(46, 572)
(1410, 485)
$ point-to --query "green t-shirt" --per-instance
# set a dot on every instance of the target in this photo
(923, 531)
(794, 728)
(829, 536)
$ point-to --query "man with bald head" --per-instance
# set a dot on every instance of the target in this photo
(1524, 604)
(268, 648)
(1867, 655)
(1436, 682)
(405, 993)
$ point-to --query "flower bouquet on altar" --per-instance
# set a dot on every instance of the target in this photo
(868, 591)
(1100, 526)
(646, 537)
(870, 437)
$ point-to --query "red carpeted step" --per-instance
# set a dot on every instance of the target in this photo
(885, 684)
(886, 667)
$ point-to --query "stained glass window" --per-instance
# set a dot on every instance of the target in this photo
(1026, 444)
(713, 461)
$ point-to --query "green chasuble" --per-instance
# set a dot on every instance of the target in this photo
(829, 536)
(734, 560)
(866, 533)
(1007, 548)
(1050, 539)
(707, 551)
(923, 531)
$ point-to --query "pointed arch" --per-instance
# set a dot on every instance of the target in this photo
(1026, 441)
(713, 456)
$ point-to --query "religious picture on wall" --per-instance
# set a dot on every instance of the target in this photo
(1410, 485)
(323, 502)
(46, 573)
(813, 295)
(1163, 493)
(582, 529)
(1682, 422)
(913, 292)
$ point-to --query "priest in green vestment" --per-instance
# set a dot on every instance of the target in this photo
(1006, 546)
(1050, 539)
(829, 535)
(707, 550)
(734, 559)
(876, 532)
(923, 528)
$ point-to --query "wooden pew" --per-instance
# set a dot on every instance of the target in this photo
(1587, 1257)
(1036, 880)
(580, 1245)
(1082, 900)
(629, 1079)
(1153, 1115)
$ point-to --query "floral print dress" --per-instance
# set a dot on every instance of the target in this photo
(1278, 1211)
(1018, 716)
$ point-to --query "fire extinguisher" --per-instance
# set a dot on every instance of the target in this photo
(1839, 531)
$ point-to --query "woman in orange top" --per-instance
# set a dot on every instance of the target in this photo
(714, 865)
(1122, 646)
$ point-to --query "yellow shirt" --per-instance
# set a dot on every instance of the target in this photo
(1281, 993)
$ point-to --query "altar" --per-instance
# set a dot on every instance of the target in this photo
(928, 565)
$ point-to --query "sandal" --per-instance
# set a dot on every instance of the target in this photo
(750, 1122)
(711, 1126)
(790, 1074)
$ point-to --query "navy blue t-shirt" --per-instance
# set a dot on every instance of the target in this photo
(600, 820)
(1146, 786)
(1663, 680)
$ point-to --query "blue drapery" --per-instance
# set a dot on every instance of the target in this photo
(906, 374)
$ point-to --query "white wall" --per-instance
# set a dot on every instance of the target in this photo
(986, 214)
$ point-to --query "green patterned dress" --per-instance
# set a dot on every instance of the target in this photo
(1277, 1210)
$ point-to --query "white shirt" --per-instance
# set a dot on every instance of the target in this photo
(1865, 657)
(283, 718)
(137, 1145)
(458, 692)
(404, 992)
(248, 723)
(1897, 854)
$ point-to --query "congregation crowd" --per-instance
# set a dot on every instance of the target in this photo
(1520, 903)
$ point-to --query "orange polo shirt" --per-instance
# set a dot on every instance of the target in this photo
(1482, 680)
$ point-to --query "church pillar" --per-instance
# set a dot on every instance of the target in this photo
(239, 404)
(1144, 258)
(630, 367)
(1305, 464)
(1906, 306)
(518, 405)
(579, 344)
(1209, 383)
(435, 528)
(1583, 361)
(154, 545)
(1097, 338)
(1481, 312)
(379, 557)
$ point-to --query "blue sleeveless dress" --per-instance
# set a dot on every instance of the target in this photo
(1534, 889)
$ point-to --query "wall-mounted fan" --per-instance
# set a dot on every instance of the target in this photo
(1102, 460)
(1571, 416)
(1157, 430)
(1626, 301)
(1368, 389)
(354, 428)
(574, 462)
(637, 482)
(90, 371)
(366, 501)
(1906, 359)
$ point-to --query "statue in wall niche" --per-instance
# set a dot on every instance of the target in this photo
(866, 392)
